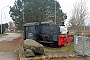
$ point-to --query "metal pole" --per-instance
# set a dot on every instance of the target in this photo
(55, 11)
(23, 11)
(84, 30)
(5, 18)
(75, 38)
(84, 41)
(23, 16)
(83, 46)
(1, 18)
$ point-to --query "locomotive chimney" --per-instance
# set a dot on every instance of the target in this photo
(62, 23)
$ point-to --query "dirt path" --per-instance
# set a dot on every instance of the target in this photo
(9, 46)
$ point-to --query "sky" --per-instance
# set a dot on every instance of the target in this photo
(4, 10)
(66, 6)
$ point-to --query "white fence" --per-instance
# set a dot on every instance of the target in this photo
(82, 45)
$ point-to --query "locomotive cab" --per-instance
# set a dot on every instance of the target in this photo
(31, 30)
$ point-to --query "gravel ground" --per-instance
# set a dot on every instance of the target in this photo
(58, 56)
(65, 54)
(70, 59)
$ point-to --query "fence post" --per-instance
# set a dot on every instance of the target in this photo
(74, 42)
(83, 45)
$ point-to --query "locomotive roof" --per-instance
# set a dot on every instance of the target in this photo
(32, 23)
(37, 23)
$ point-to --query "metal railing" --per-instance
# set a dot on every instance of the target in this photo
(82, 45)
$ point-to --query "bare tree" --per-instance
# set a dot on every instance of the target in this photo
(79, 14)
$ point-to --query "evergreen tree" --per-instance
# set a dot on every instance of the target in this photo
(36, 11)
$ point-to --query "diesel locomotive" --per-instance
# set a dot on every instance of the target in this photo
(48, 33)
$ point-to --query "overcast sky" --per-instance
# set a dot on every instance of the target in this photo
(5, 10)
(66, 6)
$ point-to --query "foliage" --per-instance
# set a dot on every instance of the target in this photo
(4, 27)
(26, 11)
(2, 35)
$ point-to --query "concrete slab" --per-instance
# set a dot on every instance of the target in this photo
(8, 56)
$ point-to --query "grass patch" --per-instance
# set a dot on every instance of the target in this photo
(66, 47)
(2, 35)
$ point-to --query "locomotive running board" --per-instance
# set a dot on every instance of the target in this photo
(45, 42)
